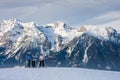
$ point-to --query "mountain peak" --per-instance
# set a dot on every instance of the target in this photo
(111, 30)
(13, 20)
(7, 25)
(57, 24)
(60, 23)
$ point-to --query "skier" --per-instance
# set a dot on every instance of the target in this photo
(41, 60)
(29, 59)
(34, 61)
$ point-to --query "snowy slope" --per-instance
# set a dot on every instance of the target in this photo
(114, 24)
(98, 31)
(68, 33)
(56, 74)
(59, 34)
(52, 31)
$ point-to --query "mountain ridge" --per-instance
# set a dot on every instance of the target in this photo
(68, 46)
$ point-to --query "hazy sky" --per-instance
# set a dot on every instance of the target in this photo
(73, 12)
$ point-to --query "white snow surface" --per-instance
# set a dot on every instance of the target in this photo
(60, 28)
(56, 74)
(85, 59)
(97, 31)
(113, 24)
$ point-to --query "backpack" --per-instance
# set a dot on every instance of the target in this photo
(41, 58)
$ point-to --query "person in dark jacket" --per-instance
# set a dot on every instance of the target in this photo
(29, 59)
(34, 61)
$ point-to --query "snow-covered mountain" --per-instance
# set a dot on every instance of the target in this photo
(92, 47)
(59, 34)
(85, 46)
(16, 38)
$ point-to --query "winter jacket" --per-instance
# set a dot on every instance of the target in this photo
(29, 57)
(41, 58)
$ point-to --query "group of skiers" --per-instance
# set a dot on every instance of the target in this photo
(31, 60)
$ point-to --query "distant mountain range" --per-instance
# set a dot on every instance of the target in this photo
(86, 46)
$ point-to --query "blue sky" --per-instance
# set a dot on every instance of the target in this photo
(72, 12)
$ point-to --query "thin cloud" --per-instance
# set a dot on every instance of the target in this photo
(109, 16)
(23, 3)
(71, 11)
(106, 17)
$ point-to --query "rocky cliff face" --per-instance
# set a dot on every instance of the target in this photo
(88, 51)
